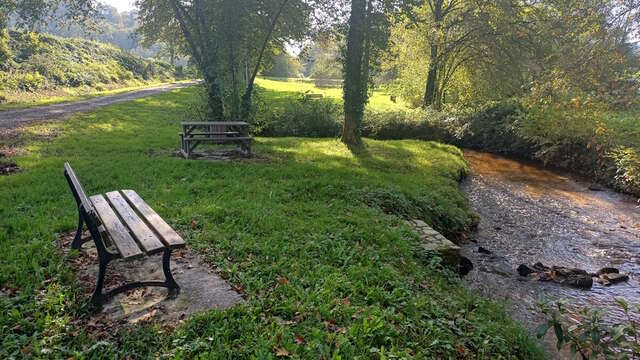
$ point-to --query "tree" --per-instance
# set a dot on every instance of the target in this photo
(228, 40)
(283, 65)
(355, 68)
(367, 36)
(460, 32)
(167, 33)
(30, 14)
(468, 40)
(321, 58)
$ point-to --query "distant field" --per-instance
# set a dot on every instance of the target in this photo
(281, 89)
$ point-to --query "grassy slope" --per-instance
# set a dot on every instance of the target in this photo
(43, 69)
(298, 213)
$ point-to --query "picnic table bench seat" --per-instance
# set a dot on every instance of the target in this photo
(122, 226)
(215, 132)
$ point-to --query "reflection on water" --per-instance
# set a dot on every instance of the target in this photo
(531, 214)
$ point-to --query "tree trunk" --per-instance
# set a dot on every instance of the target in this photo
(246, 98)
(354, 86)
(432, 83)
(431, 90)
(235, 102)
(214, 96)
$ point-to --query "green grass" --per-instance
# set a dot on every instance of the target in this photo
(307, 210)
(279, 91)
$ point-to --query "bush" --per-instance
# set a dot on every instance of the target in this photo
(408, 124)
(303, 117)
(626, 162)
(585, 335)
(5, 52)
(29, 81)
(496, 128)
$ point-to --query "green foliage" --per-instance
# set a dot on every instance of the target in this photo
(404, 124)
(626, 161)
(33, 14)
(322, 59)
(283, 66)
(45, 62)
(357, 283)
(228, 41)
(475, 53)
(303, 116)
(587, 336)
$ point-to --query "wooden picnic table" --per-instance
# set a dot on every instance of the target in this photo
(216, 132)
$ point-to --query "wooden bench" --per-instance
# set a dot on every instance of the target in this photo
(122, 226)
(196, 132)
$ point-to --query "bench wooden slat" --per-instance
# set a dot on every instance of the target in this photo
(226, 138)
(212, 133)
(145, 236)
(167, 234)
(208, 123)
(116, 230)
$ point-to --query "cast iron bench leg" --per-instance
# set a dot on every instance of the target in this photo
(99, 298)
(77, 240)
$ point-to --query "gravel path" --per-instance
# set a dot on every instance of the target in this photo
(14, 118)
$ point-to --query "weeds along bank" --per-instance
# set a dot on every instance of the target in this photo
(36, 66)
(601, 144)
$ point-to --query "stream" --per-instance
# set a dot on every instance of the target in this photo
(530, 214)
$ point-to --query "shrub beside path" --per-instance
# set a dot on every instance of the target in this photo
(13, 118)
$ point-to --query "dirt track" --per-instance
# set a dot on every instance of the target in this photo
(14, 118)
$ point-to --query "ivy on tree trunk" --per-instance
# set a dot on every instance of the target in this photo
(355, 86)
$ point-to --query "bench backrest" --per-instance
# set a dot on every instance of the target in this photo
(78, 190)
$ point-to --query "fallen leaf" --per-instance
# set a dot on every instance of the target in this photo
(299, 340)
(462, 352)
(282, 280)
(282, 352)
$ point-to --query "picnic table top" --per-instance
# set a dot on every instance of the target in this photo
(207, 123)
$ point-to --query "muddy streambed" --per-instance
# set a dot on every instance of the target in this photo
(530, 214)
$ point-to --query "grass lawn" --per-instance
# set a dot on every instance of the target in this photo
(312, 232)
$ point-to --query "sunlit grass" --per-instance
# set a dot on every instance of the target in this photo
(379, 99)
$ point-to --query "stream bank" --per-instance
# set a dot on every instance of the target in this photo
(531, 214)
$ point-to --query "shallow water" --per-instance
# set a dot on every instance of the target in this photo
(530, 214)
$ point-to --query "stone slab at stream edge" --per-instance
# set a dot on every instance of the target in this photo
(433, 241)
